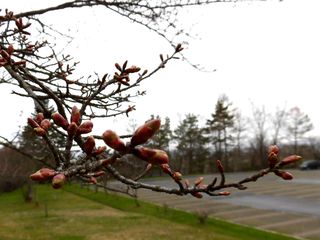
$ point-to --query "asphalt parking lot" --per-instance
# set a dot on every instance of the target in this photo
(290, 207)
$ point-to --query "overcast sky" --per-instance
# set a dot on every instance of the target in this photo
(263, 52)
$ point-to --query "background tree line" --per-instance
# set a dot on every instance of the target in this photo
(240, 142)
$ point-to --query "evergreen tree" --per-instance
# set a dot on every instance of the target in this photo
(34, 146)
(218, 128)
(191, 151)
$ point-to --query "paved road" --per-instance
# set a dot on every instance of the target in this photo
(290, 207)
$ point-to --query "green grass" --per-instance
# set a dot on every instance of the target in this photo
(80, 214)
(218, 226)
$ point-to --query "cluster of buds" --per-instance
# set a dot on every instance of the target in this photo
(44, 174)
(123, 76)
(74, 127)
(39, 124)
(274, 162)
(64, 73)
(139, 137)
(8, 16)
(145, 132)
(6, 55)
(21, 26)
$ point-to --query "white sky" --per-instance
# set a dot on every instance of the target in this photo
(264, 52)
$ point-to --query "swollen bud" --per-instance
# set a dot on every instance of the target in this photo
(225, 193)
(113, 141)
(272, 159)
(89, 145)
(197, 195)
(145, 132)
(132, 69)
(40, 131)
(42, 174)
(165, 168)
(290, 159)
(75, 115)
(93, 180)
(273, 149)
(85, 127)
(58, 180)
(198, 181)
(72, 129)
(60, 120)
(284, 175)
(219, 166)
(153, 156)
(100, 150)
(32, 123)
(45, 124)
(177, 176)
(39, 118)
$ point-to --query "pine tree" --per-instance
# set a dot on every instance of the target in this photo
(191, 151)
(218, 128)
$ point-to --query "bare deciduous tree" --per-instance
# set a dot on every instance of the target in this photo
(259, 141)
(299, 124)
(42, 74)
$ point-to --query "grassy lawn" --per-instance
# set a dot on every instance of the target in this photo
(75, 213)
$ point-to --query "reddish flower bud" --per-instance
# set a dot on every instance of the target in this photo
(113, 141)
(10, 49)
(179, 48)
(58, 180)
(186, 183)
(60, 120)
(153, 156)
(284, 175)
(72, 129)
(145, 132)
(100, 150)
(39, 118)
(272, 159)
(5, 55)
(47, 172)
(32, 123)
(290, 159)
(197, 195)
(89, 145)
(177, 176)
(37, 176)
(93, 180)
(42, 174)
(273, 149)
(118, 67)
(225, 193)
(75, 115)
(219, 166)
(198, 181)
(132, 69)
(85, 127)
(40, 131)
(45, 124)
(165, 168)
